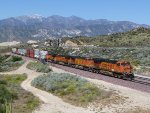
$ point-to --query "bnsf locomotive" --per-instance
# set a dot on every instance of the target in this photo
(120, 69)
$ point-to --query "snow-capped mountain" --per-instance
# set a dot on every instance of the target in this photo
(23, 28)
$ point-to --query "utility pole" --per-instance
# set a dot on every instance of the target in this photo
(50, 42)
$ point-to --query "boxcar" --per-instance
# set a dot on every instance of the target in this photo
(30, 53)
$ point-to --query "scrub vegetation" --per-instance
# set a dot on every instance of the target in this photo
(71, 88)
(133, 38)
(39, 67)
(4, 49)
(14, 99)
(9, 63)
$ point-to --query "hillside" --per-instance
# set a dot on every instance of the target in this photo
(37, 27)
(136, 37)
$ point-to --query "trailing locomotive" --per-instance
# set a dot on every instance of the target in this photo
(116, 68)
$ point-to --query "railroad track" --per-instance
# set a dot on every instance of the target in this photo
(142, 80)
(137, 79)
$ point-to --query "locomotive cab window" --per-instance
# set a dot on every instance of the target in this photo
(118, 64)
(125, 64)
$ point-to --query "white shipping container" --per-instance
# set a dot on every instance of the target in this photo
(36, 53)
(24, 51)
(43, 54)
(14, 50)
(20, 51)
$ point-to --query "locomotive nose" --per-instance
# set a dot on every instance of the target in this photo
(128, 69)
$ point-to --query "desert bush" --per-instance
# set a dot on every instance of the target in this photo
(13, 98)
(5, 49)
(6, 96)
(9, 63)
(71, 88)
(16, 58)
(39, 67)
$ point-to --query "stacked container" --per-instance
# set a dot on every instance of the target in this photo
(14, 50)
(24, 52)
(20, 51)
(30, 53)
(43, 54)
(37, 53)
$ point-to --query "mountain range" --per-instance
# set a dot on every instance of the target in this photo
(36, 27)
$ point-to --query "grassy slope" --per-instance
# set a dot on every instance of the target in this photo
(136, 37)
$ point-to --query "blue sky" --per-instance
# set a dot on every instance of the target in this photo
(131, 10)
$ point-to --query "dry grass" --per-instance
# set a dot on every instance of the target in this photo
(107, 102)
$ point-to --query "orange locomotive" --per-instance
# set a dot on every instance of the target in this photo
(120, 69)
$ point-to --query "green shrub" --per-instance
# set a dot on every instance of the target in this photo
(6, 97)
(71, 88)
(32, 103)
(39, 67)
(16, 58)
(136, 62)
(13, 98)
(9, 63)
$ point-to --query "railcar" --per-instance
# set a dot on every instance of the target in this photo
(22, 52)
(14, 50)
(43, 54)
(37, 53)
(30, 53)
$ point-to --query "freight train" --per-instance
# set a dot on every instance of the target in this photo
(116, 68)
